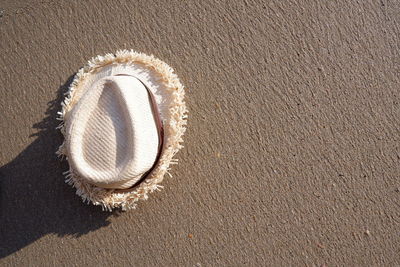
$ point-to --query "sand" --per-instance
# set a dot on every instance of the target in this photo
(292, 152)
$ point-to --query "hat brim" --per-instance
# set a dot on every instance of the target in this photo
(169, 96)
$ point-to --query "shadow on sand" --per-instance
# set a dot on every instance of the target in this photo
(34, 200)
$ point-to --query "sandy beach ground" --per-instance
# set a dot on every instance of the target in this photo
(291, 157)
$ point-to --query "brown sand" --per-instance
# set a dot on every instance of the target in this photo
(292, 154)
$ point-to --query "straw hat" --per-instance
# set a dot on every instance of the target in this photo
(123, 120)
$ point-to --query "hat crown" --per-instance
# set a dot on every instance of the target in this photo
(112, 134)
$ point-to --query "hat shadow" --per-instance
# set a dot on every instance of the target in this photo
(34, 200)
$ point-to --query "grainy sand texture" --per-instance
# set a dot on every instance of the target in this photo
(291, 156)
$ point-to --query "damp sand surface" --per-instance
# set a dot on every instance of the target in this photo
(291, 156)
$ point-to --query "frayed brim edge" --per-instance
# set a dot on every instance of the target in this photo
(174, 127)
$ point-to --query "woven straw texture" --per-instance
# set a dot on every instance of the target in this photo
(91, 113)
(111, 134)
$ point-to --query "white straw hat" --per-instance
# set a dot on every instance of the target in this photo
(123, 120)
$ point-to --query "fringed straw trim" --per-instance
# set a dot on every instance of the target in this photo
(174, 126)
